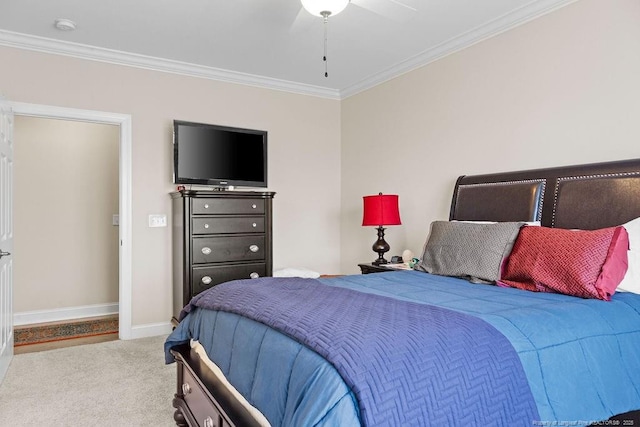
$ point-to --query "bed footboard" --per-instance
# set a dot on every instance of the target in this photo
(201, 400)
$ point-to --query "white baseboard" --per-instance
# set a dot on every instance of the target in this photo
(70, 313)
(67, 313)
(148, 330)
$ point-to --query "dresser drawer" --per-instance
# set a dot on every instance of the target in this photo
(202, 408)
(228, 248)
(228, 206)
(218, 236)
(205, 277)
(249, 224)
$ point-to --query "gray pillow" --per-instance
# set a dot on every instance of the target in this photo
(465, 249)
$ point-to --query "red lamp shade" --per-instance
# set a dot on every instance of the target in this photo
(381, 209)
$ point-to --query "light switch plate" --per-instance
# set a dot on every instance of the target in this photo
(116, 219)
(157, 220)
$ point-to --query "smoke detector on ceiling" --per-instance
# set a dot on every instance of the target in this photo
(65, 24)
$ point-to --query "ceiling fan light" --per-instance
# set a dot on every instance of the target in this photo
(316, 7)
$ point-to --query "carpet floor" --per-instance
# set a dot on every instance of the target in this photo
(117, 383)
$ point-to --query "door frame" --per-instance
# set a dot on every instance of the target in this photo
(125, 302)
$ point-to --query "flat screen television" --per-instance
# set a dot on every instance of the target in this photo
(215, 155)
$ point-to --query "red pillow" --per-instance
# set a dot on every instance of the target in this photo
(582, 263)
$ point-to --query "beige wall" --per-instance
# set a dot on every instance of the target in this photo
(562, 89)
(65, 193)
(304, 154)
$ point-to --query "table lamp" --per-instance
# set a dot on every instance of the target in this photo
(379, 210)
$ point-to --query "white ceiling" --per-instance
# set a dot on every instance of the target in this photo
(270, 43)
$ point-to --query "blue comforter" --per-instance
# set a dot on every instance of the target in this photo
(405, 362)
(581, 357)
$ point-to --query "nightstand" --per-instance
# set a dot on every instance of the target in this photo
(370, 268)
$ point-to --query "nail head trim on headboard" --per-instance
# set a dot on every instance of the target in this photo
(468, 203)
(562, 179)
(513, 182)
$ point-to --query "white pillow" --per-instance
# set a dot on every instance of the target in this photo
(633, 228)
(296, 272)
(631, 281)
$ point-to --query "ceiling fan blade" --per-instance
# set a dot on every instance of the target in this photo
(396, 10)
(303, 21)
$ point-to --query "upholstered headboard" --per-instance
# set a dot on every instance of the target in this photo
(588, 196)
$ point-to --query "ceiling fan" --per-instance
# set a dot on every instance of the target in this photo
(393, 9)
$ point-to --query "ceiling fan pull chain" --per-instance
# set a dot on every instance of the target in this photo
(326, 26)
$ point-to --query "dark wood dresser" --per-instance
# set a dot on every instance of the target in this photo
(218, 236)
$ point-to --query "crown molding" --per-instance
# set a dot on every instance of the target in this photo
(77, 50)
(524, 14)
(485, 31)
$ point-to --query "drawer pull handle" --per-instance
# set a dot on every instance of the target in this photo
(254, 225)
(254, 248)
(206, 280)
(254, 206)
(206, 226)
(206, 205)
(254, 275)
(208, 422)
(206, 250)
(186, 388)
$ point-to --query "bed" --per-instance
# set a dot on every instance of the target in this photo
(473, 353)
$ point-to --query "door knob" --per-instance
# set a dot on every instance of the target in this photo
(3, 253)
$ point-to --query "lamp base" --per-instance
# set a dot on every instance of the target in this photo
(380, 246)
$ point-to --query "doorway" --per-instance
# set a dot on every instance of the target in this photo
(65, 203)
(123, 122)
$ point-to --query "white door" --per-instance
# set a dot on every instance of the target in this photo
(6, 237)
